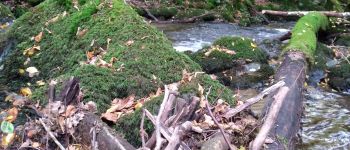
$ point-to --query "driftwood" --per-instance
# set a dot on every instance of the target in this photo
(302, 13)
(230, 113)
(106, 138)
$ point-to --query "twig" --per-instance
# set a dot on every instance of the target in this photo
(142, 131)
(270, 119)
(51, 135)
(216, 122)
(253, 100)
(158, 119)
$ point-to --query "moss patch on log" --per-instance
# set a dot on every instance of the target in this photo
(304, 34)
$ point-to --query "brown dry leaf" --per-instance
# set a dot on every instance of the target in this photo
(129, 43)
(70, 110)
(119, 104)
(38, 37)
(89, 55)
(113, 117)
(61, 123)
(81, 33)
(74, 121)
(12, 114)
(40, 83)
(31, 51)
(75, 147)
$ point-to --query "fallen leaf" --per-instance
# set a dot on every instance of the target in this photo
(31, 51)
(7, 140)
(32, 71)
(32, 133)
(40, 83)
(119, 104)
(38, 37)
(53, 20)
(12, 114)
(138, 105)
(81, 33)
(26, 91)
(36, 145)
(113, 117)
(253, 45)
(21, 72)
(89, 55)
(70, 110)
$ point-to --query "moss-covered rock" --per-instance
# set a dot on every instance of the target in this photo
(343, 40)
(145, 58)
(213, 59)
(322, 56)
(339, 77)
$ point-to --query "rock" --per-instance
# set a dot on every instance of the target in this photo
(332, 63)
(252, 67)
(217, 142)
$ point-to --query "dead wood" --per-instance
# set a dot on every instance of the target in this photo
(70, 91)
(270, 118)
(302, 13)
(106, 138)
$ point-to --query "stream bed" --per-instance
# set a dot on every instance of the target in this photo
(326, 120)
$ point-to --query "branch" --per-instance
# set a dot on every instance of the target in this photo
(51, 135)
(159, 116)
(270, 119)
(230, 113)
(303, 13)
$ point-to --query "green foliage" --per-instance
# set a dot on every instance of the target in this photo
(304, 34)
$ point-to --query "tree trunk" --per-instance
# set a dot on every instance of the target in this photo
(292, 71)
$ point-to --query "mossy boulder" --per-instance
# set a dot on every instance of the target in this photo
(245, 49)
(343, 40)
(339, 77)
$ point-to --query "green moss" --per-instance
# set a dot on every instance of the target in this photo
(339, 77)
(323, 53)
(245, 48)
(304, 37)
(5, 12)
(217, 61)
(189, 13)
(164, 12)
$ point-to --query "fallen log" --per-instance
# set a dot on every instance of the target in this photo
(292, 71)
(303, 13)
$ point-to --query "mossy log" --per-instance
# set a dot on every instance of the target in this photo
(302, 13)
(293, 71)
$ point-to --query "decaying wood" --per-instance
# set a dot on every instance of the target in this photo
(302, 13)
(270, 118)
(51, 135)
(70, 91)
(106, 138)
(292, 71)
(161, 116)
(230, 113)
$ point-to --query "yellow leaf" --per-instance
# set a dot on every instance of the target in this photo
(200, 90)
(40, 82)
(7, 140)
(21, 72)
(138, 105)
(38, 37)
(26, 91)
(253, 45)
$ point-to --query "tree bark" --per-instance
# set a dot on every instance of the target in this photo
(303, 13)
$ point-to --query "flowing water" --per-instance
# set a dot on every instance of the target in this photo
(326, 121)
